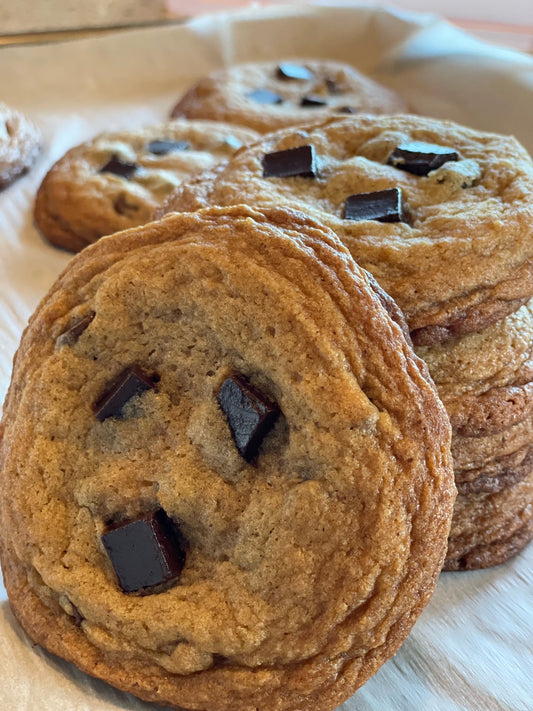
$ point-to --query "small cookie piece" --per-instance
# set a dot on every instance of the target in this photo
(267, 96)
(117, 180)
(20, 142)
(459, 259)
(283, 469)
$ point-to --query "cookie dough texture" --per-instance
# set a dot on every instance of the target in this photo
(20, 142)
(306, 569)
(77, 203)
(460, 262)
(228, 95)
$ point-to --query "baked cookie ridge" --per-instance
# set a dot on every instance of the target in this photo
(283, 585)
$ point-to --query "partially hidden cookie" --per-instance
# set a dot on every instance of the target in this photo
(226, 479)
(20, 142)
(440, 214)
(489, 528)
(267, 96)
(485, 381)
(116, 180)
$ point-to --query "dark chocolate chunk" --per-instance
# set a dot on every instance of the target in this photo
(347, 110)
(421, 158)
(161, 147)
(119, 167)
(313, 101)
(146, 552)
(71, 335)
(265, 96)
(249, 412)
(132, 381)
(382, 205)
(287, 70)
(292, 162)
(332, 87)
(123, 207)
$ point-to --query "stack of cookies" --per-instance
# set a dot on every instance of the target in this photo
(485, 380)
(226, 476)
(442, 216)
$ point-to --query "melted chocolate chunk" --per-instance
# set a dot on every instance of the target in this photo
(311, 101)
(265, 96)
(145, 553)
(250, 414)
(332, 87)
(161, 147)
(287, 70)
(123, 207)
(347, 110)
(421, 158)
(289, 163)
(72, 334)
(132, 381)
(119, 167)
(382, 205)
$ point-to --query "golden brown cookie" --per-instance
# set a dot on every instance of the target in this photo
(485, 379)
(489, 528)
(228, 398)
(20, 142)
(117, 180)
(267, 96)
(440, 214)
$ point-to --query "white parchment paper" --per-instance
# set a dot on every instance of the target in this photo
(471, 650)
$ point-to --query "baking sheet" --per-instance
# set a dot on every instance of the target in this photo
(472, 647)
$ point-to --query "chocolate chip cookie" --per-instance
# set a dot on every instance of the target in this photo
(440, 214)
(226, 476)
(485, 381)
(117, 180)
(20, 142)
(267, 96)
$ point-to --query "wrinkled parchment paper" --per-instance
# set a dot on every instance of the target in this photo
(472, 648)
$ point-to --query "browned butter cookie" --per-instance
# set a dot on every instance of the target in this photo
(117, 180)
(440, 214)
(267, 96)
(20, 142)
(226, 477)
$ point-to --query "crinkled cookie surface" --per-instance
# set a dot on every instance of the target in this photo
(305, 566)
(456, 255)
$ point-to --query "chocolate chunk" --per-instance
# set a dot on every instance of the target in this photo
(123, 207)
(421, 158)
(313, 101)
(71, 335)
(332, 87)
(161, 147)
(294, 161)
(265, 96)
(287, 70)
(382, 205)
(347, 110)
(146, 552)
(132, 381)
(119, 167)
(250, 414)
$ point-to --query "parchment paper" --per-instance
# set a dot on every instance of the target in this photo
(472, 647)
